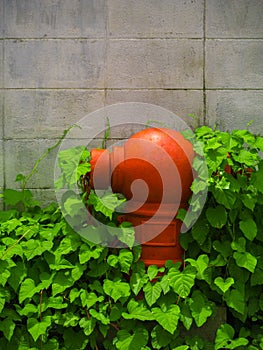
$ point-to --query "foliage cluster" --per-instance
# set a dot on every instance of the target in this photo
(60, 291)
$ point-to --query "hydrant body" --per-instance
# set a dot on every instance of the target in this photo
(153, 170)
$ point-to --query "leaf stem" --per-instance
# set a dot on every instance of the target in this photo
(13, 245)
(44, 155)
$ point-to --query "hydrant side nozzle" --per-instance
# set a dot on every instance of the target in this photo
(100, 174)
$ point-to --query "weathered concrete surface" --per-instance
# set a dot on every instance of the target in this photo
(234, 64)
(234, 19)
(234, 109)
(181, 102)
(2, 17)
(54, 63)
(1, 64)
(61, 60)
(155, 63)
(51, 19)
(47, 113)
(1, 114)
(20, 158)
(155, 18)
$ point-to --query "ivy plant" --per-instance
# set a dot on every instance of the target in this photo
(59, 290)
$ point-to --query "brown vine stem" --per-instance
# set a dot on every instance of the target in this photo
(44, 155)
(87, 313)
(13, 245)
(115, 326)
(178, 299)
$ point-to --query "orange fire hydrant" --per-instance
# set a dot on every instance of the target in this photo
(153, 170)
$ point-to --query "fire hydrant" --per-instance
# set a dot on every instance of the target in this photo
(153, 170)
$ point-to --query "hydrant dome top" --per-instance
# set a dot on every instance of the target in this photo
(166, 138)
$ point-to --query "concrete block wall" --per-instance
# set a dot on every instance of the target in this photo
(61, 60)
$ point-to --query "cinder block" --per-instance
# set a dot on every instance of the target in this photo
(181, 102)
(1, 16)
(68, 18)
(54, 63)
(1, 164)
(235, 109)
(21, 156)
(234, 64)
(1, 64)
(234, 19)
(1, 114)
(44, 196)
(47, 113)
(151, 19)
(155, 64)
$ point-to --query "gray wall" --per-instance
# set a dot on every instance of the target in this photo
(63, 59)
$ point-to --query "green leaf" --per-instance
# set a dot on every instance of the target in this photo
(127, 233)
(249, 228)
(160, 337)
(74, 294)
(224, 285)
(2, 304)
(165, 284)
(200, 231)
(224, 248)
(217, 216)
(257, 277)
(138, 279)
(34, 248)
(73, 206)
(4, 272)
(246, 260)
(116, 289)
(181, 282)
(7, 326)
(86, 253)
(61, 282)
(53, 303)
(257, 179)
(27, 289)
(201, 264)
(235, 300)
(77, 272)
(73, 163)
(137, 311)
(168, 319)
(125, 260)
(225, 197)
(74, 340)
(115, 313)
(88, 325)
(152, 292)
(224, 338)
(239, 245)
(200, 308)
(249, 201)
(113, 260)
(99, 316)
(152, 272)
(28, 309)
(105, 203)
(131, 341)
(13, 197)
(186, 316)
(36, 328)
(89, 298)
